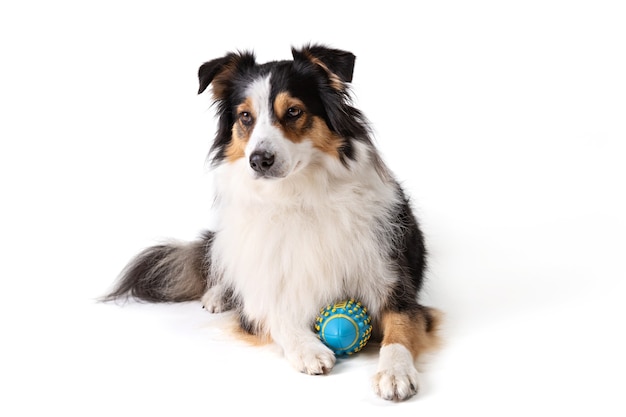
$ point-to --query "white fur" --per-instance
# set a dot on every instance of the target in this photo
(213, 299)
(397, 378)
(288, 246)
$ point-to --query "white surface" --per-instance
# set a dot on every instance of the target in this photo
(505, 123)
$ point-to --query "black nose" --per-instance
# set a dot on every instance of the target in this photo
(261, 161)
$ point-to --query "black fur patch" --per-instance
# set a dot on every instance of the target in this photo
(409, 255)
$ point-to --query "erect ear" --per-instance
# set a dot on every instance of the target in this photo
(338, 64)
(221, 71)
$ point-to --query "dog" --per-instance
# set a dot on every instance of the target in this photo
(307, 214)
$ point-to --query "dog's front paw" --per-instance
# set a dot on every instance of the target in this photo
(215, 300)
(311, 357)
(396, 386)
(397, 378)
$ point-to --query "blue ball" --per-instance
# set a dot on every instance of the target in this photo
(345, 327)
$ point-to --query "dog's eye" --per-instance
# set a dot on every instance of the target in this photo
(293, 112)
(246, 118)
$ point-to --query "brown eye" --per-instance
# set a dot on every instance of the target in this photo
(293, 112)
(246, 118)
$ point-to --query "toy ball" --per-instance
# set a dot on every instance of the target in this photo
(345, 327)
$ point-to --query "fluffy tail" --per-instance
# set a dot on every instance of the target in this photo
(166, 273)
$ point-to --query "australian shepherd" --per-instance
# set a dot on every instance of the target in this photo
(307, 214)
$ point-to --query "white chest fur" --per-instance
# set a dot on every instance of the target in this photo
(289, 247)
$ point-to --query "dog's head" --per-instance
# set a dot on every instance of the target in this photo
(282, 115)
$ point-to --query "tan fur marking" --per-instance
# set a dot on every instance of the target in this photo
(306, 126)
(251, 339)
(335, 81)
(410, 331)
(237, 332)
(221, 80)
(240, 134)
(323, 139)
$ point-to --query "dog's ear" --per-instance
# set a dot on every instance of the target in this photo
(221, 71)
(338, 64)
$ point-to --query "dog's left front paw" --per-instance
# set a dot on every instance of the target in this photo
(396, 386)
(396, 379)
(311, 358)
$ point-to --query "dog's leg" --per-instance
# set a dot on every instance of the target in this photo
(406, 335)
(217, 299)
(303, 349)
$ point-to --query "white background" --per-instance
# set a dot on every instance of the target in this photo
(505, 121)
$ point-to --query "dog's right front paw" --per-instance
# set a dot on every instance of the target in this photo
(214, 300)
(312, 358)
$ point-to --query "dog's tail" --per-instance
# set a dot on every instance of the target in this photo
(171, 272)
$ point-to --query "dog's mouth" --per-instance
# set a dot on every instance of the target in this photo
(272, 174)
(266, 176)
